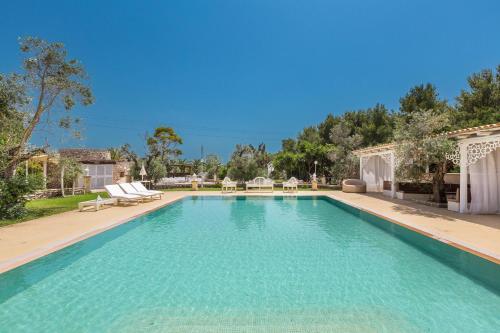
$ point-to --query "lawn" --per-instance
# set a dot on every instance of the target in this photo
(45, 207)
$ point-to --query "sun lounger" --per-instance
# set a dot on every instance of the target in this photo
(141, 188)
(97, 203)
(292, 185)
(129, 189)
(228, 185)
(260, 184)
(116, 192)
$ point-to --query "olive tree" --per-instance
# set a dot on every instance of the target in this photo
(420, 146)
(49, 80)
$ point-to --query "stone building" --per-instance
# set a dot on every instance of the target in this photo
(97, 164)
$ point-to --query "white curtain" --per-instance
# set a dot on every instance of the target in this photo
(485, 184)
(375, 171)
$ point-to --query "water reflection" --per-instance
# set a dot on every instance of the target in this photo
(245, 212)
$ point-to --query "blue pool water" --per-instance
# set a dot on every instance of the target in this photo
(246, 265)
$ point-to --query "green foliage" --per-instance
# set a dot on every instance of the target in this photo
(12, 96)
(163, 143)
(156, 169)
(162, 147)
(480, 105)
(377, 126)
(222, 171)
(212, 166)
(13, 194)
(331, 143)
(421, 97)
(71, 169)
(247, 162)
(344, 163)
(49, 79)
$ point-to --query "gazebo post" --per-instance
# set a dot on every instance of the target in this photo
(44, 174)
(393, 175)
(361, 167)
(463, 178)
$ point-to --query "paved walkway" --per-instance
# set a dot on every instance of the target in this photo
(23, 242)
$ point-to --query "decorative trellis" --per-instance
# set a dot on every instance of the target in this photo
(454, 156)
(475, 151)
(479, 150)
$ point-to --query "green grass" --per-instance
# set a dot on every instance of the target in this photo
(45, 207)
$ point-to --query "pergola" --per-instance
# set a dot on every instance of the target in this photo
(376, 166)
(478, 155)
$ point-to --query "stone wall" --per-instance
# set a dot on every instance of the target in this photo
(121, 171)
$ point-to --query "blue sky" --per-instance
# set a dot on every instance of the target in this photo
(234, 71)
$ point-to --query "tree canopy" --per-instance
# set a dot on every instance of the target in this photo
(48, 80)
(479, 105)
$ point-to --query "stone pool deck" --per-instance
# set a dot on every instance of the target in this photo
(27, 241)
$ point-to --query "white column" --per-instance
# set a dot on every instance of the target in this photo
(45, 174)
(463, 178)
(26, 167)
(393, 175)
(361, 167)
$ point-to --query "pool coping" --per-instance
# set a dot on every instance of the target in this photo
(446, 239)
(51, 247)
(55, 246)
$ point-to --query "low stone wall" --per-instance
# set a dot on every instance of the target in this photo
(52, 193)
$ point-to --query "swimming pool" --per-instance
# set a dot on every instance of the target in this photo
(250, 264)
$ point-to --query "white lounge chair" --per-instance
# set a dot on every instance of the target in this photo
(228, 185)
(292, 185)
(260, 184)
(97, 203)
(116, 191)
(141, 188)
(129, 189)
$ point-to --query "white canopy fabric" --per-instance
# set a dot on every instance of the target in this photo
(375, 171)
(485, 184)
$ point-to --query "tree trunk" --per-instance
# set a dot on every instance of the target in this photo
(73, 187)
(438, 194)
(62, 181)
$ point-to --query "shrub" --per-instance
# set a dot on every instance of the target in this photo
(13, 194)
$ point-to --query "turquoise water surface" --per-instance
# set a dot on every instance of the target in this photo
(246, 265)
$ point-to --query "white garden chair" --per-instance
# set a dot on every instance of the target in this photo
(291, 185)
(228, 185)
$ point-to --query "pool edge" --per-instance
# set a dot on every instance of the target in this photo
(482, 253)
(55, 246)
(20, 260)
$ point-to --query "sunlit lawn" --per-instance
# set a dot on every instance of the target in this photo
(44, 207)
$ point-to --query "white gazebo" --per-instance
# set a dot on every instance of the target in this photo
(478, 155)
(376, 166)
